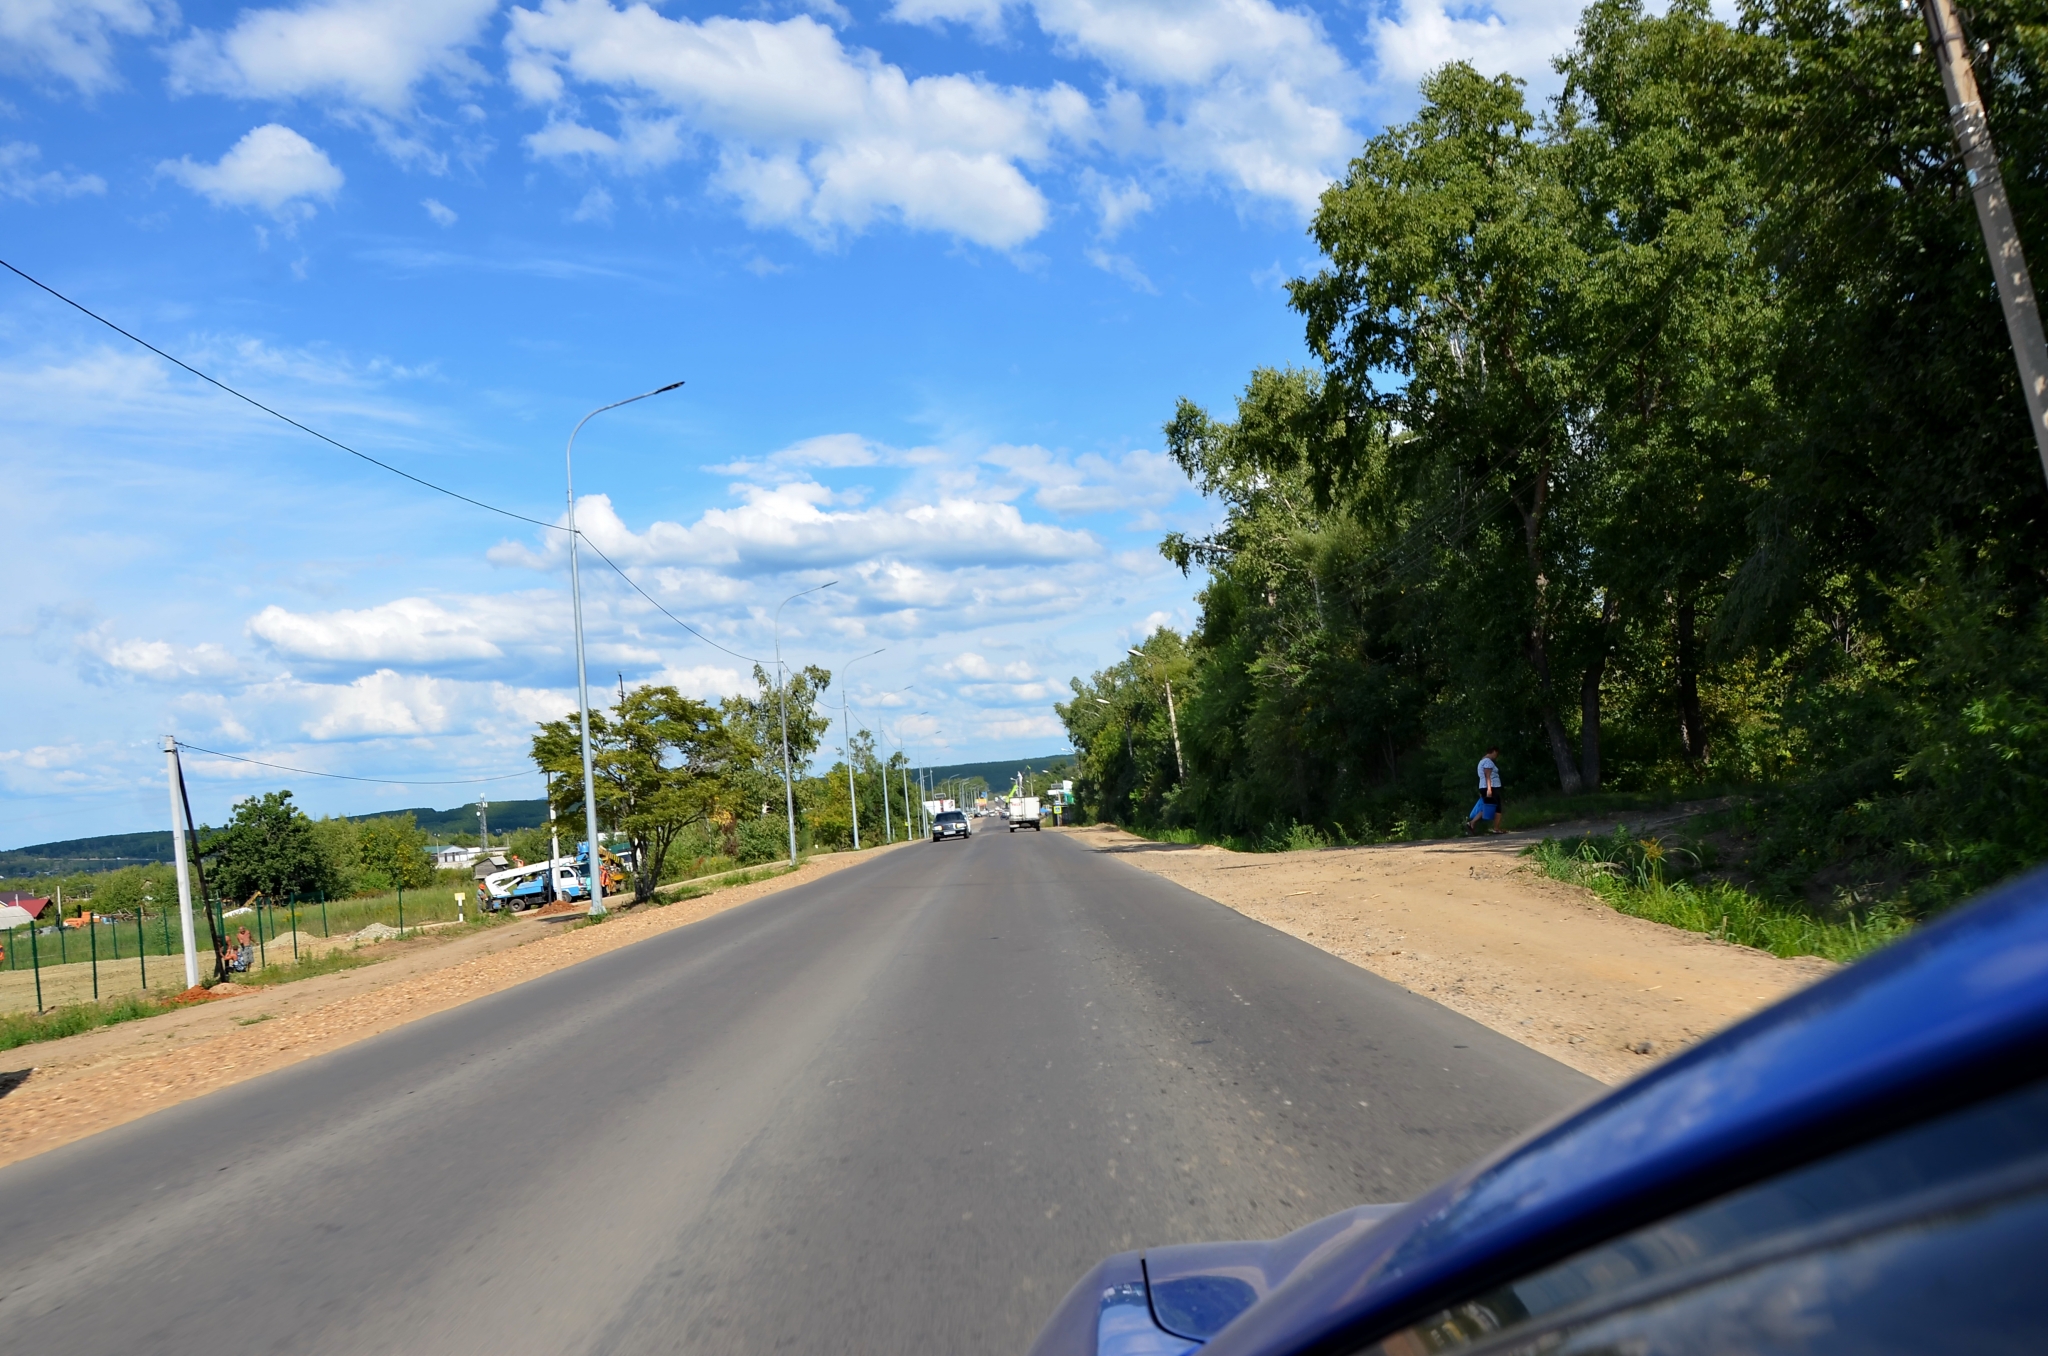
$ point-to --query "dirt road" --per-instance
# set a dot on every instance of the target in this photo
(1471, 924)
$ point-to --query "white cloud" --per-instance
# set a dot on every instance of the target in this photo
(596, 206)
(972, 665)
(19, 180)
(442, 214)
(1250, 91)
(794, 526)
(71, 40)
(837, 451)
(1120, 266)
(810, 136)
(1019, 727)
(372, 53)
(705, 682)
(1516, 36)
(156, 659)
(985, 16)
(380, 703)
(1091, 482)
(1119, 205)
(272, 167)
(413, 630)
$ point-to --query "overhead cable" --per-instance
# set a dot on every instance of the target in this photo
(344, 777)
(383, 465)
(248, 399)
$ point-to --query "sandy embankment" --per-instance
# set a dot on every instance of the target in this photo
(1471, 925)
(84, 1084)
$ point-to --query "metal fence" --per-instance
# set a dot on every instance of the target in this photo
(51, 964)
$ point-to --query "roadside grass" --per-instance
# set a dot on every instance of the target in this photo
(23, 1028)
(1535, 812)
(697, 889)
(307, 967)
(1628, 874)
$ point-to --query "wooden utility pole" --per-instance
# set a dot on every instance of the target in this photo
(1994, 212)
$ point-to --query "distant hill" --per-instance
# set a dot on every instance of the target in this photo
(1000, 775)
(111, 852)
(114, 851)
(108, 853)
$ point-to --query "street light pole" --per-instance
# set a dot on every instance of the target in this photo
(1172, 721)
(846, 733)
(782, 700)
(596, 877)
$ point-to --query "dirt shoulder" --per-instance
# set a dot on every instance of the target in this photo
(1470, 924)
(83, 1084)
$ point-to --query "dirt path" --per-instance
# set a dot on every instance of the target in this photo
(1471, 925)
(83, 1084)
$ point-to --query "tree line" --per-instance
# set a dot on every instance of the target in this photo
(1665, 435)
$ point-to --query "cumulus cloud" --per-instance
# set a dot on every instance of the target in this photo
(159, 660)
(1248, 91)
(71, 40)
(413, 631)
(272, 168)
(796, 526)
(372, 53)
(810, 136)
(1517, 36)
(985, 16)
(381, 703)
(1091, 482)
(972, 665)
(19, 179)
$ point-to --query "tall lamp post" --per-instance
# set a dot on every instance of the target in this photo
(846, 733)
(1172, 721)
(596, 877)
(888, 827)
(782, 700)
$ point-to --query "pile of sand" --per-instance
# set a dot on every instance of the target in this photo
(375, 932)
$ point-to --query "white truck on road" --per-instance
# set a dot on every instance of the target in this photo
(1023, 813)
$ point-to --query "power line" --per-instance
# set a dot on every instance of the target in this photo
(657, 605)
(344, 777)
(216, 382)
(383, 465)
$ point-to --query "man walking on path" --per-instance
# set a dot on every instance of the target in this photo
(1488, 805)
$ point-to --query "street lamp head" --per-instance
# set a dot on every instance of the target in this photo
(670, 387)
(1139, 653)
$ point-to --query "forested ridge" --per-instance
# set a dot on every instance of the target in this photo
(1667, 436)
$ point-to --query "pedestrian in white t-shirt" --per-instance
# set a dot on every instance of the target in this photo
(1488, 806)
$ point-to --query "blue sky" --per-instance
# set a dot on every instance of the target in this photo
(935, 272)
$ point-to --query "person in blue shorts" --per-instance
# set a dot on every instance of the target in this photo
(1487, 808)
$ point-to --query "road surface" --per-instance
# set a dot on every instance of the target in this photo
(898, 1110)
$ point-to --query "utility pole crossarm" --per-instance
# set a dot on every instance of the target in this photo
(1994, 213)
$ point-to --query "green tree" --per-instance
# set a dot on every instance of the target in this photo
(268, 848)
(393, 853)
(662, 763)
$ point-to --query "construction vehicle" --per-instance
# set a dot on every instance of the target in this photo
(528, 887)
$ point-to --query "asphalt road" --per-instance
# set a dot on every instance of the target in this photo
(895, 1111)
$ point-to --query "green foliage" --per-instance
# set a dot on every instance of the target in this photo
(392, 853)
(268, 848)
(1666, 436)
(1629, 874)
(662, 763)
(23, 1028)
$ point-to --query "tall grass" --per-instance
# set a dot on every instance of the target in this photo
(1628, 874)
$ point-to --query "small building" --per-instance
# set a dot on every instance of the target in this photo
(19, 910)
(453, 858)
